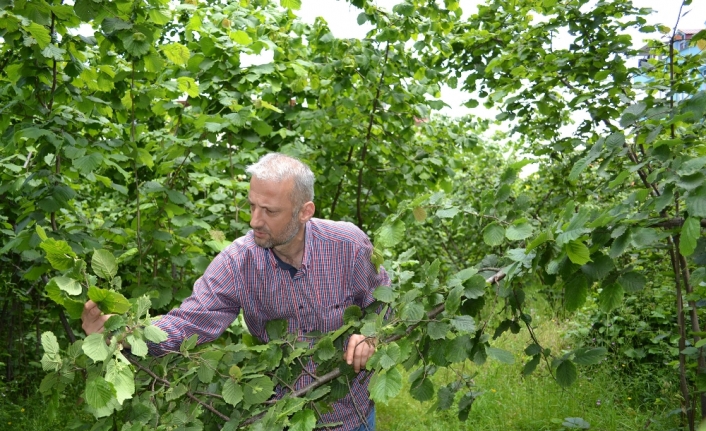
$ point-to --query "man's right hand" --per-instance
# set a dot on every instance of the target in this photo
(93, 319)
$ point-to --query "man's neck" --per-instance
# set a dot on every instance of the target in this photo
(292, 252)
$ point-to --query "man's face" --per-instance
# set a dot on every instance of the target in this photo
(272, 212)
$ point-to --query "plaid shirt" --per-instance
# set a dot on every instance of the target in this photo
(336, 272)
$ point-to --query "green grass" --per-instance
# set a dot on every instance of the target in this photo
(605, 396)
(34, 413)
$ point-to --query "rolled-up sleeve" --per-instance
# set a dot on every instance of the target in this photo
(211, 308)
(367, 278)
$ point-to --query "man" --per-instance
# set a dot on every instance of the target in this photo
(289, 266)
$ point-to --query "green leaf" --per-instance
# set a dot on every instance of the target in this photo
(40, 232)
(518, 231)
(103, 264)
(257, 390)
(98, 392)
(445, 398)
(578, 252)
(458, 349)
(89, 163)
(384, 294)
(177, 53)
(501, 355)
(447, 212)
(53, 52)
(575, 292)
(59, 254)
(422, 390)
(601, 266)
(153, 62)
(632, 281)
(122, 378)
(580, 166)
(242, 38)
(39, 33)
(690, 233)
(589, 356)
(539, 240)
(696, 202)
(303, 420)
(94, 347)
(453, 301)
(620, 244)
(464, 324)
(205, 372)
(291, 4)
(390, 234)
(530, 366)
(644, 237)
(111, 24)
(262, 128)
(404, 9)
(136, 44)
(188, 86)
(49, 382)
(232, 392)
(189, 343)
(385, 385)
(276, 329)
(175, 392)
(493, 234)
(615, 140)
(270, 106)
(611, 297)
(691, 166)
(155, 334)
(576, 423)
(389, 356)
(138, 347)
(73, 308)
(159, 16)
(145, 158)
(51, 361)
(566, 374)
(437, 330)
(177, 197)
(108, 301)
(68, 285)
(324, 350)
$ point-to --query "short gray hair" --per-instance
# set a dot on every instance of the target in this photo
(278, 167)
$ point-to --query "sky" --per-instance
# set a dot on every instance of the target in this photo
(341, 17)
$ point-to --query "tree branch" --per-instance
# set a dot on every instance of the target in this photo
(364, 150)
(208, 407)
(675, 222)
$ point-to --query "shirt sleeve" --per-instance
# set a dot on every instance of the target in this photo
(366, 278)
(211, 308)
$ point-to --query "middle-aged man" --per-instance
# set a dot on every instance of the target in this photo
(289, 266)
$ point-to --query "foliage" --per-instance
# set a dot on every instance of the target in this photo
(123, 168)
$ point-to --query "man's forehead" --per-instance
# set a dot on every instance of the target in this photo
(279, 190)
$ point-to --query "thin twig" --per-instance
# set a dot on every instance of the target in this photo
(364, 150)
(136, 363)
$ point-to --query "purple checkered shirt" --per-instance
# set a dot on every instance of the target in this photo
(336, 272)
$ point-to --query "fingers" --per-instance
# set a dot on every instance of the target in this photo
(92, 318)
(360, 349)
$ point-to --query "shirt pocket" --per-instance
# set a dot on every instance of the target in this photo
(333, 313)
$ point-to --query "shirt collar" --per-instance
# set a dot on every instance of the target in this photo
(308, 240)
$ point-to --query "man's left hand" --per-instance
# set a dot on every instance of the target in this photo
(360, 349)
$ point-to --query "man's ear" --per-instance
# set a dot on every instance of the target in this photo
(307, 212)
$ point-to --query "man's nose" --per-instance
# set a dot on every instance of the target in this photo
(255, 218)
